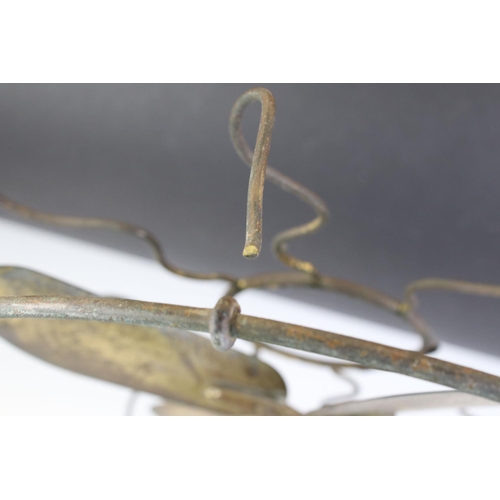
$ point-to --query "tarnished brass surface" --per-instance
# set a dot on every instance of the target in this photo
(257, 160)
(253, 329)
(174, 364)
(181, 366)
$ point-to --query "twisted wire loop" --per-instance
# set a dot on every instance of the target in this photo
(257, 160)
(221, 323)
(309, 275)
(110, 225)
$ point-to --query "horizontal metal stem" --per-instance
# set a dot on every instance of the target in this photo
(254, 329)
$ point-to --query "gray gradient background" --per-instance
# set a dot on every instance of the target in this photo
(410, 173)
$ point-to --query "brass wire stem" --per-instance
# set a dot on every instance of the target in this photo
(318, 362)
(259, 281)
(109, 225)
(307, 276)
(257, 160)
(449, 286)
(345, 287)
(369, 354)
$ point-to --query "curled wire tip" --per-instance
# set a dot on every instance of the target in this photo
(256, 159)
(251, 251)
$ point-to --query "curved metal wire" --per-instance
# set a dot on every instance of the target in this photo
(335, 366)
(466, 287)
(354, 385)
(409, 304)
(365, 354)
(268, 280)
(309, 275)
(110, 225)
(345, 287)
(318, 362)
(257, 160)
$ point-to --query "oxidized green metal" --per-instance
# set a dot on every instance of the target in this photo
(181, 366)
(175, 364)
(253, 329)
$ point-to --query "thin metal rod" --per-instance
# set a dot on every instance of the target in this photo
(391, 405)
(257, 160)
(299, 280)
(110, 225)
(355, 389)
(369, 354)
(409, 304)
(318, 362)
(466, 287)
(355, 290)
(311, 278)
(267, 280)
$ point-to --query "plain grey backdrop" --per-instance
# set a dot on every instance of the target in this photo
(409, 172)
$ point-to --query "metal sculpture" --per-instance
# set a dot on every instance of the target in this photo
(148, 346)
